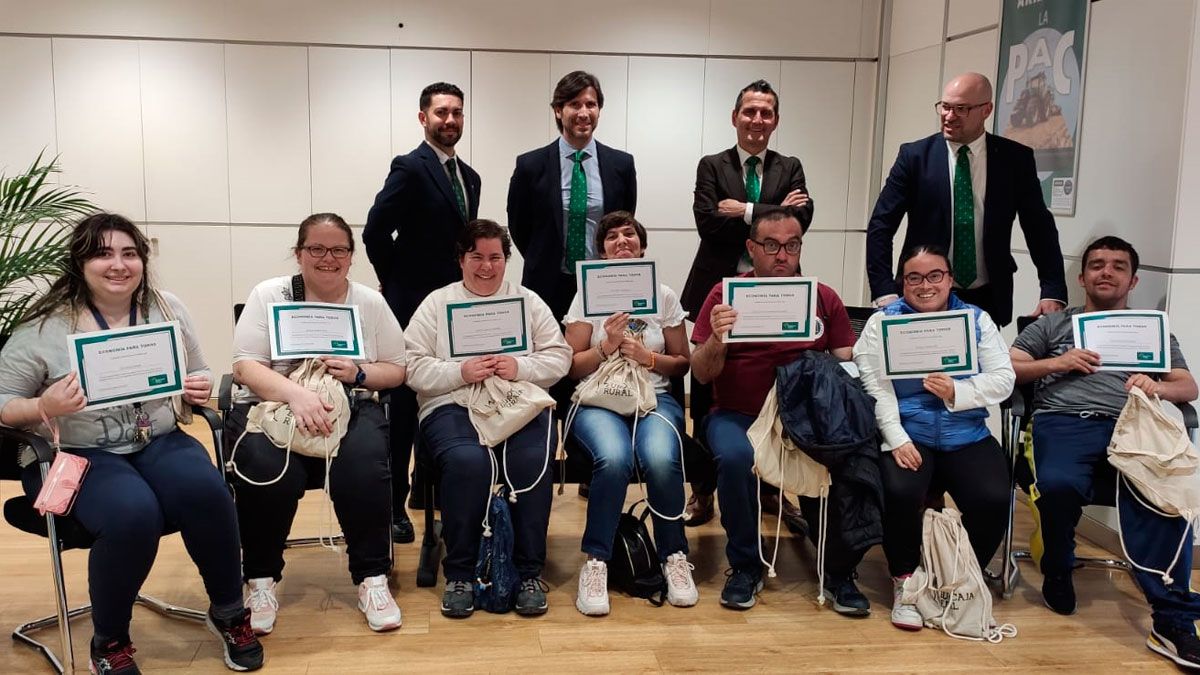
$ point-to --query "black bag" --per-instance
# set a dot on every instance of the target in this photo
(496, 578)
(634, 568)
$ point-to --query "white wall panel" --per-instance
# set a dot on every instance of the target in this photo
(674, 251)
(666, 146)
(350, 99)
(1186, 252)
(27, 121)
(260, 253)
(816, 128)
(613, 73)
(786, 27)
(854, 290)
(822, 257)
(412, 71)
(913, 87)
(1185, 321)
(916, 24)
(968, 15)
(183, 127)
(976, 53)
(203, 288)
(723, 79)
(267, 99)
(858, 200)
(98, 114)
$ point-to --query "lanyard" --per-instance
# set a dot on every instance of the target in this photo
(141, 419)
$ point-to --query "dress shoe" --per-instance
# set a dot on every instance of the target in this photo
(699, 510)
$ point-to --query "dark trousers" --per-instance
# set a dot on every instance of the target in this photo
(403, 432)
(560, 297)
(466, 473)
(982, 298)
(1070, 468)
(127, 502)
(360, 485)
(703, 472)
(976, 476)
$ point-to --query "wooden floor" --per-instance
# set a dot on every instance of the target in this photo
(320, 629)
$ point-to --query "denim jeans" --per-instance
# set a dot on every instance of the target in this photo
(608, 438)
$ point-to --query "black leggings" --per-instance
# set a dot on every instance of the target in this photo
(977, 478)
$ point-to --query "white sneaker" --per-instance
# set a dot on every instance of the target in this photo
(681, 590)
(593, 589)
(904, 616)
(263, 605)
(376, 601)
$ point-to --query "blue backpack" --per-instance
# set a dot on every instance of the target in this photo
(496, 577)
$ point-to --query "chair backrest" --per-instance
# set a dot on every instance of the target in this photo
(859, 317)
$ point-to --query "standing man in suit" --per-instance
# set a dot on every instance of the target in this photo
(559, 192)
(733, 187)
(961, 189)
(427, 199)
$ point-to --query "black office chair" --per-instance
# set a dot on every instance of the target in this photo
(65, 533)
(859, 317)
(1015, 416)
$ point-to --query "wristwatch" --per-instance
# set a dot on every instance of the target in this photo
(360, 377)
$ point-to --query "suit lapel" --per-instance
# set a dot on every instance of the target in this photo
(940, 169)
(733, 174)
(437, 173)
(552, 180)
(608, 179)
(991, 187)
(772, 175)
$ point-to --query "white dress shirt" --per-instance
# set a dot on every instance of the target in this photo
(978, 160)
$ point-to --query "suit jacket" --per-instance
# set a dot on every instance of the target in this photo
(417, 204)
(535, 208)
(919, 185)
(723, 238)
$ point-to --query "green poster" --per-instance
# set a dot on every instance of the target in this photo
(1040, 89)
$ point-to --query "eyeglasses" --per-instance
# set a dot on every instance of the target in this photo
(317, 251)
(960, 109)
(934, 277)
(772, 247)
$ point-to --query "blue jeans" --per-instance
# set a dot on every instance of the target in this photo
(1071, 470)
(127, 502)
(607, 437)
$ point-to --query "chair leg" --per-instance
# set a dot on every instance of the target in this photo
(169, 610)
(62, 610)
(431, 539)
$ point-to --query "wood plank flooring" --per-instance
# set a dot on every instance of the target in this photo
(320, 629)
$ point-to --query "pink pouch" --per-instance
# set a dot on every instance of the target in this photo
(58, 492)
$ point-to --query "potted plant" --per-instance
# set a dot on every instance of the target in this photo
(35, 219)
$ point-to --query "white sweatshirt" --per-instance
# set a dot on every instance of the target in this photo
(435, 377)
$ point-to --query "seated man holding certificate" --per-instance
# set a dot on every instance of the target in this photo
(742, 374)
(934, 426)
(503, 330)
(145, 474)
(1076, 403)
(270, 480)
(656, 345)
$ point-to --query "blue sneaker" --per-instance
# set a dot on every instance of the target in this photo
(740, 588)
(847, 599)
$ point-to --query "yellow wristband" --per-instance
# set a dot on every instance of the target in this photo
(652, 361)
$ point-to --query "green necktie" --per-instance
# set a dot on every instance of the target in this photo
(964, 220)
(458, 191)
(753, 191)
(577, 213)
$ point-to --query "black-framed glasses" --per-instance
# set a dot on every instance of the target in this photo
(317, 251)
(934, 277)
(772, 247)
(960, 109)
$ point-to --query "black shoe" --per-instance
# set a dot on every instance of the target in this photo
(402, 529)
(458, 600)
(740, 588)
(699, 510)
(531, 599)
(114, 657)
(847, 599)
(585, 489)
(1059, 593)
(243, 651)
(1178, 643)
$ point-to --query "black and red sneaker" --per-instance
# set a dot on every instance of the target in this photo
(243, 651)
(114, 657)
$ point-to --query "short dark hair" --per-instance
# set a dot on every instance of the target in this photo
(617, 219)
(758, 87)
(429, 92)
(482, 228)
(921, 249)
(571, 85)
(771, 217)
(323, 219)
(1111, 243)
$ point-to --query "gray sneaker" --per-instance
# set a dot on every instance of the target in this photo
(531, 599)
(458, 601)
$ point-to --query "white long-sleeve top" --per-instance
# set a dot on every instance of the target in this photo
(434, 377)
(990, 387)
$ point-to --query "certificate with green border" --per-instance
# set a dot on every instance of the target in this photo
(484, 327)
(1126, 339)
(915, 345)
(610, 286)
(302, 330)
(128, 365)
(773, 309)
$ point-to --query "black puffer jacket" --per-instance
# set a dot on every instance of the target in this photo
(828, 415)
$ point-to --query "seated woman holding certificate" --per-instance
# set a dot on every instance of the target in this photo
(654, 348)
(934, 427)
(270, 480)
(457, 341)
(145, 475)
